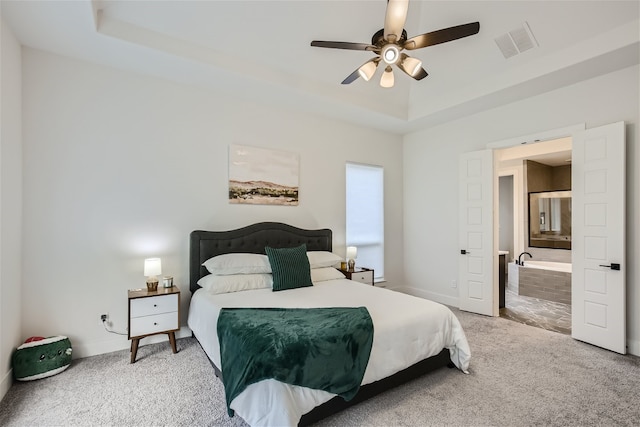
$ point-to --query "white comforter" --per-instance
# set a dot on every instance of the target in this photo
(407, 329)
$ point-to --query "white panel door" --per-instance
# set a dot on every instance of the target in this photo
(598, 236)
(476, 243)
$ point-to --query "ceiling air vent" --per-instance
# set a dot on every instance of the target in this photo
(516, 41)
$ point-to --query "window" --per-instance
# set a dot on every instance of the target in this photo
(365, 215)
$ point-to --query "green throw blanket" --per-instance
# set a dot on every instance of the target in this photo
(319, 348)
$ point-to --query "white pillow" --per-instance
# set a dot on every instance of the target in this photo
(235, 282)
(325, 273)
(319, 259)
(238, 264)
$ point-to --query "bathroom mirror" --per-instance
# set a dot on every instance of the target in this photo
(550, 219)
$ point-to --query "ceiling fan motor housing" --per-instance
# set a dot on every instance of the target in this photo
(378, 38)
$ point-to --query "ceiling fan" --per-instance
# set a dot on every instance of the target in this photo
(389, 42)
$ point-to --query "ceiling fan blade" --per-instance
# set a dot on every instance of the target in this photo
(442, 36)
(412, 67)
(344, 45)
(387, 79)
(394, 19)
(351, 77)
(365, 71)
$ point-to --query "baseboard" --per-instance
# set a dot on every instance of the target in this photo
(81, 350)
(442, 299)
(6, 383)
(633, 346)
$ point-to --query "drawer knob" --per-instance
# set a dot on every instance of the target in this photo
(155, 305)
(155, 323)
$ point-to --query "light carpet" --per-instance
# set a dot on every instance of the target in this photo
(519, 376)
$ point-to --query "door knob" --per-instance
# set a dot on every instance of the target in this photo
(613, 266)
(464, 252)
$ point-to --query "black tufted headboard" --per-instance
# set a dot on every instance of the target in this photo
(250, 239)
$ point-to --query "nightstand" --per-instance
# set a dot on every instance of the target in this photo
(151, 313)
(359, 274)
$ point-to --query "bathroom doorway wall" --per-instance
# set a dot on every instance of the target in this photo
(506, 227)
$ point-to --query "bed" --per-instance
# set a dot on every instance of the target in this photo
(411, 336)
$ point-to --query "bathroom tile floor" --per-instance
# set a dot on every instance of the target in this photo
(550, 315)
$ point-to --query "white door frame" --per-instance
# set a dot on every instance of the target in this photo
(512, 142)
(542, 136)
(537, 137)
(470, 297)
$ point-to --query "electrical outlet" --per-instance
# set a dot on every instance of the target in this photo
(454, 283)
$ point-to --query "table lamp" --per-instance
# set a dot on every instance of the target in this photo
(152, 269)
(352, 254)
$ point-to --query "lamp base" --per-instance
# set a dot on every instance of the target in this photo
(152, 285)
(351, 264)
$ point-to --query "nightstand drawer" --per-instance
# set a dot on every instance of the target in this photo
(153, 305)
(153, 324)
(363, 277)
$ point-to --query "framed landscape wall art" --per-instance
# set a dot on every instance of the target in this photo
(259, 176)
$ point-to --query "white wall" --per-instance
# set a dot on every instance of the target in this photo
(119, 167)
(505, 197)
(431, 181)
(10, 203)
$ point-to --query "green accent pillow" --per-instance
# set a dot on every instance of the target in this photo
(290, 267)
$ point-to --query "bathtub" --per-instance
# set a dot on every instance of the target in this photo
(548, 265)
(541, 279)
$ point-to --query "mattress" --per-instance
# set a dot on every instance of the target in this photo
(407, 329)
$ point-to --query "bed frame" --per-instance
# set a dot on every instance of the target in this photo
(253, 239)
(250, 239)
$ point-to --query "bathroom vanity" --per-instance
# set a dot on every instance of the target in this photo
(502, 273)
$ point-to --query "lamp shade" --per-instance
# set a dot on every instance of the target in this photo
(387, 79)
(352, 252)
(152, 267)
(367, 70)
(411, 65)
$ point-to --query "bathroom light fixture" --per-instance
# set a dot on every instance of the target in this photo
(352, 254)
(152, 269)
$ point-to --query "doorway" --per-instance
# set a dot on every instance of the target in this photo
(544, 299)
(598, 250)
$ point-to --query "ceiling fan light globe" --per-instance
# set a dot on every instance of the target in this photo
(387, 79)
(412, 65)
(367, 70)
